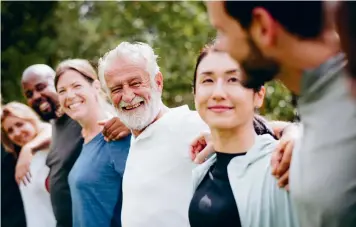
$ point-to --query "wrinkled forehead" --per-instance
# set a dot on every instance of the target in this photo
(125, 71)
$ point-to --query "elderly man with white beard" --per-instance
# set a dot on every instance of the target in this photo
(157, 184)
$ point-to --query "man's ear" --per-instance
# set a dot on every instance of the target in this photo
(159, 81)
(263, 28)
(259, 97)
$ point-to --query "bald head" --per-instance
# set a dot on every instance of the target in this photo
(37, 70)
(38, 87)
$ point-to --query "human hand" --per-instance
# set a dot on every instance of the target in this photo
(282, 156)
(114, 129)
(201, 148)
(22, 170)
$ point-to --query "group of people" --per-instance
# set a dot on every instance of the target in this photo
(98, 147)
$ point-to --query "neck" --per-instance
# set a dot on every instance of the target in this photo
(90, 126)
(233, 141)
(307, 55)
(164, 109)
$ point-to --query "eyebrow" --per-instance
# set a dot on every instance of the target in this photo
(230, 71)
(129, 80)
(70, 85)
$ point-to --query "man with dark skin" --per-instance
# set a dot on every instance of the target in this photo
(295, 42)
(65, 138)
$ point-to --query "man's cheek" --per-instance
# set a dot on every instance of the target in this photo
(116, 100)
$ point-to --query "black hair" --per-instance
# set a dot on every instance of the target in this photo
(304, 19)
(203, 53)
(261, 126)
(259, 123)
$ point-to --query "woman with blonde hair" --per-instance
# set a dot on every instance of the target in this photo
(19, 126)
(95, 179)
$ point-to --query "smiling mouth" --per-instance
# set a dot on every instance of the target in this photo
(74, 105)
(131, 107)
(220, 109)
(45, 107)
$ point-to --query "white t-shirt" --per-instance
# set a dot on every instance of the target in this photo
(36, 199)
(157, 183)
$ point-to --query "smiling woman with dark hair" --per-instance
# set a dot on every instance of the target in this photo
(235, 186)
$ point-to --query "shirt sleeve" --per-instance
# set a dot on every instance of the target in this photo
(119, 151)
(194, 125)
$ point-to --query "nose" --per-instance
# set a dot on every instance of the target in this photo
(36, 96)
(219, 92)
(17, 133)
(70, 94)
(128, 95)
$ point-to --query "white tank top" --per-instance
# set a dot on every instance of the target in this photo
(36, 199)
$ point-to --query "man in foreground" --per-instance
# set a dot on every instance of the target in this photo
(281, 40)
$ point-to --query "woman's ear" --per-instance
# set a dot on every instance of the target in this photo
(96, 84)
(259, 97)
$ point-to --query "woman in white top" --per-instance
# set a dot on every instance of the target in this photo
(19, 126)
(235, 186)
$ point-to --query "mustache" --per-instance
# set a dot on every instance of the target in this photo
(45, 116)
(137, 99)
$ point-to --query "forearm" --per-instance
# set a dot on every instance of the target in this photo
(281, 127)
(278, 126)
(42, 140)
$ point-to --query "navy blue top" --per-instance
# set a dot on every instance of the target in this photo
(95, 183)
(213, 203)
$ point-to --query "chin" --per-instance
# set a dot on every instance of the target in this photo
(77, 116)
(223, 124)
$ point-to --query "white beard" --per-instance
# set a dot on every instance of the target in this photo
(144, 115)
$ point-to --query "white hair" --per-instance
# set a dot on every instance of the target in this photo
(133, 52)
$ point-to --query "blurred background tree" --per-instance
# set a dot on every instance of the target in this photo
(49, 32)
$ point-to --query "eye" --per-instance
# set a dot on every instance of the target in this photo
(19, 124)
(9, 131)
(41, 87)
(135, 84)
(29, 94)
(116, 90)
(77, 86)
(60, 91)
(234, 80)
(207, 80)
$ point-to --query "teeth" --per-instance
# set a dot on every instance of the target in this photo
(44, 106)
(133, 106)
(72, 106)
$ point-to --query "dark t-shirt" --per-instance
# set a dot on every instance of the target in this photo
(65, 149)
(12, 211)
(213, 203)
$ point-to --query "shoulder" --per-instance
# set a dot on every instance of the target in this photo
(119, 145)
(123, 142)
(188, 121)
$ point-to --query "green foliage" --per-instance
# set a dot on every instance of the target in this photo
(48, 32)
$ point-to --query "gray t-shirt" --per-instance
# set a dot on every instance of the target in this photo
(65, 149)
(323, 169)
